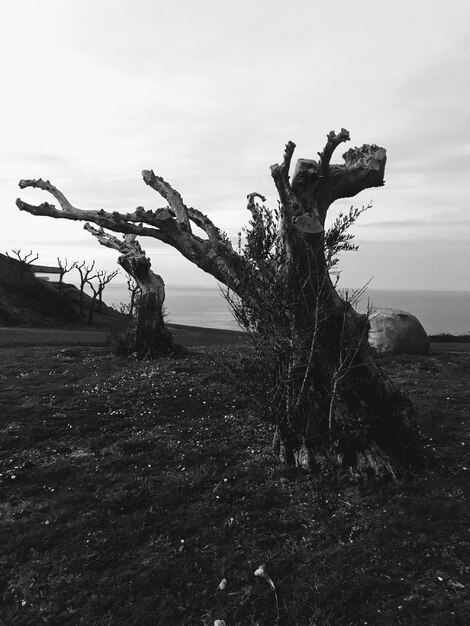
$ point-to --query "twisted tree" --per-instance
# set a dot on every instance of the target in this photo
(25, 257)
(334, 404)
(148, 336)
(64, 268)
(26, 260)
(103, 278)
(134, 294)
(86, 276)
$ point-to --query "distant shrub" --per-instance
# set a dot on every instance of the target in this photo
(448, 338)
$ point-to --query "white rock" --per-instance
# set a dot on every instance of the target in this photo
(399, 332)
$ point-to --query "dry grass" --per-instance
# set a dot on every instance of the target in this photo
(130, 490)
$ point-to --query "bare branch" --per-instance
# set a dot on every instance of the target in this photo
(160, 219)
(103, 277)
(135, 293)
(252, 205)
(124, 246)
(183, 213)
(218, 259)
(304, 203)
(173, 198)
(85, 273)
(319, 184)
(280, 173)
(48, 186)
(206, 224)
(334, 140)
(64, 266)
(24, 257)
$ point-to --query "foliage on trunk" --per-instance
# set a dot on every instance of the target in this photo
(322, 389)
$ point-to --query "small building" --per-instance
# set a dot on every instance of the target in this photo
(44, 272)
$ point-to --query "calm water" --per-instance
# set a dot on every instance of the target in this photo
(438, 311)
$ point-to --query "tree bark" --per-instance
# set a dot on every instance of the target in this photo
(336, 405)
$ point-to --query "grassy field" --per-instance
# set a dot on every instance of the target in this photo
(130, 491)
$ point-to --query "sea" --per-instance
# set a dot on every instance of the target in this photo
(438, 311)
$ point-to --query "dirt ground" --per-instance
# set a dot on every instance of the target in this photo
(147, 494)
(186, 335)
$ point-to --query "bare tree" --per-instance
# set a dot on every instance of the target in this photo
(85, 272)
(64, 268)
(24, 257)
(104, 278)
(129, 308)
(135, 292)
(369, 427)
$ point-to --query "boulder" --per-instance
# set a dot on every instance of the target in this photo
(397, 332)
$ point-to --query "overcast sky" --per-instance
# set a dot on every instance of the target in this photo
(207, 92)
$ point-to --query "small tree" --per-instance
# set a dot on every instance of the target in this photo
(64, 268)
(85, 272)
(24, 257)
(128, 308)
(104, 278)
(135, 293)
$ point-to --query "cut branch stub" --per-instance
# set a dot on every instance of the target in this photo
(252, 206)
(333, 142)
(294, 212)
(363, 168)
(280, 174)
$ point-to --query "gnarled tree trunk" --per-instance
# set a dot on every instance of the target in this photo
(335, 404)
(148, 336)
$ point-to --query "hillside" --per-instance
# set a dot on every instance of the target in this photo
(29, 301)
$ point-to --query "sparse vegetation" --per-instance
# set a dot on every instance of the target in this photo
(103, 278)
(131, 490)
(449, 338)
(27, 258)
(85, 271)
(64, 268)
